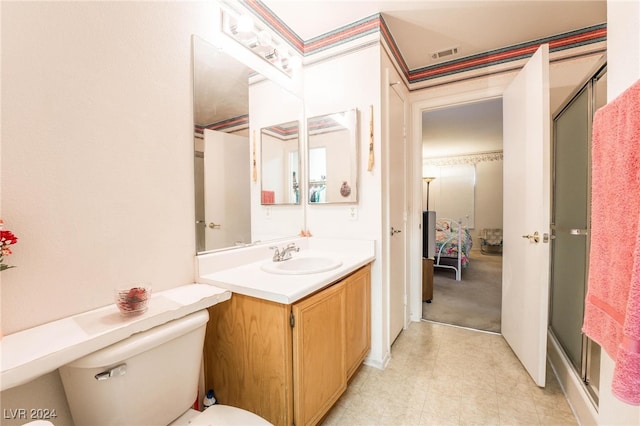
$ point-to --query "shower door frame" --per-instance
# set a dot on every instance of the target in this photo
(589, 348)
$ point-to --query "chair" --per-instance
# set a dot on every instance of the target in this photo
(491, 241)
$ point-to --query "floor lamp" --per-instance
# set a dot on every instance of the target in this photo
(428, 180)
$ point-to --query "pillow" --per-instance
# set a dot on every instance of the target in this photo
(443, 225)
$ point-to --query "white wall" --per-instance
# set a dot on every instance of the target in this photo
(623, 69)
(97, 159)
(488, 208)
(97, 172)
(269, 104)
(343, 83)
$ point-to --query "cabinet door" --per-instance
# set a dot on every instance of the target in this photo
(358, 318)
(319, 370)
(247, 357)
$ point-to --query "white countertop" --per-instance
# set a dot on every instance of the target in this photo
(29, 354)
(249, 279)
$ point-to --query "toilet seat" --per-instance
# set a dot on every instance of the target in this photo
(225, 415)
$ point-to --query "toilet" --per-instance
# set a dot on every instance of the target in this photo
(149, 378)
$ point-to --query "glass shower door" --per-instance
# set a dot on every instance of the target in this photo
(569, 225)
(570, 229)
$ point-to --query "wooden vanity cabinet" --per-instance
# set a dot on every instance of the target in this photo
(358, 319)
(289, 363)
(319, 342)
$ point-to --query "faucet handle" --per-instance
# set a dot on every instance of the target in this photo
(285, 254)
(276, 253)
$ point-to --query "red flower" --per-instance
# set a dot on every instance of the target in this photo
(7, 238)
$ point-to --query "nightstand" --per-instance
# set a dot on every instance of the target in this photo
(427, 280)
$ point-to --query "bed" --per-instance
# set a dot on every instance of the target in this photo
(453, 245)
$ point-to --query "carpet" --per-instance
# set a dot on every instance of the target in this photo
(475, 302)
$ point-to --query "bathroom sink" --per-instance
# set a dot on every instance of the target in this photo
(301, 265)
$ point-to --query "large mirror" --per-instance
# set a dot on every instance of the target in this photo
(227, 102)
(332, 153)
(280, 163)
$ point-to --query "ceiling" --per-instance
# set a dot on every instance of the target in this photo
(462, 129)
(421, 28)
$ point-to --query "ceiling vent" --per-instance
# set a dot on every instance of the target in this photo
(444, 53)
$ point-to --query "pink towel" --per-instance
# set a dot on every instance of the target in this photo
(268, 197)
(612, 308)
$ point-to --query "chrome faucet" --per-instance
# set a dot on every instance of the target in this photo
(276, 253)
(285, 253)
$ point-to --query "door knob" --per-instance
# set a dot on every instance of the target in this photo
(395, 231)
(535, 237)
(214, 225)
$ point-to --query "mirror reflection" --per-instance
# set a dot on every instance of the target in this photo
(280, 163)
(333, 158)
(226, 193)
(221, 122)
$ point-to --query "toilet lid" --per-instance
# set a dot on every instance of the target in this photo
(224, 415)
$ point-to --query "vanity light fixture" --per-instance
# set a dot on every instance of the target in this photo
(258, 38)
(245, 23)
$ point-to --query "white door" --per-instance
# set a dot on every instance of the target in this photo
(396, 208)
(226, 189)
(525, 272)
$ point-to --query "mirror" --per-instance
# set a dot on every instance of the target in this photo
(226, 93)
(332, 154)
(280, 163)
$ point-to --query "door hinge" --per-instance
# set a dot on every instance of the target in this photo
(292, 320)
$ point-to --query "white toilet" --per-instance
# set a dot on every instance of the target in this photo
(150, 378)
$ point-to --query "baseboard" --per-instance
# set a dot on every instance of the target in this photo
(380, 364)
(572, 386)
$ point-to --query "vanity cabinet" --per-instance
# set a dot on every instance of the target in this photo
(358, 319)
(319, 358)
(289, 363)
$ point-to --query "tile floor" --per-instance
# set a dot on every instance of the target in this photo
(443, 375)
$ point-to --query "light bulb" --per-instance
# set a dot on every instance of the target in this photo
(264, 38)
(245, 24)
(295, 62)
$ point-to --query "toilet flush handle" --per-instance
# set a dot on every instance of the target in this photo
(120, 370)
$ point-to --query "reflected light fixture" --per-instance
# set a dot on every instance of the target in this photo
(260, 39)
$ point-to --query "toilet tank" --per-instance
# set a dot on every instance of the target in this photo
(150, 378)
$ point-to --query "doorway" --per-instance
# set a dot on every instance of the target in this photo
(462, 157)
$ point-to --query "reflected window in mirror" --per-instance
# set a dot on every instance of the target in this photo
(280, 163)
(332, 154)
(317, 175)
